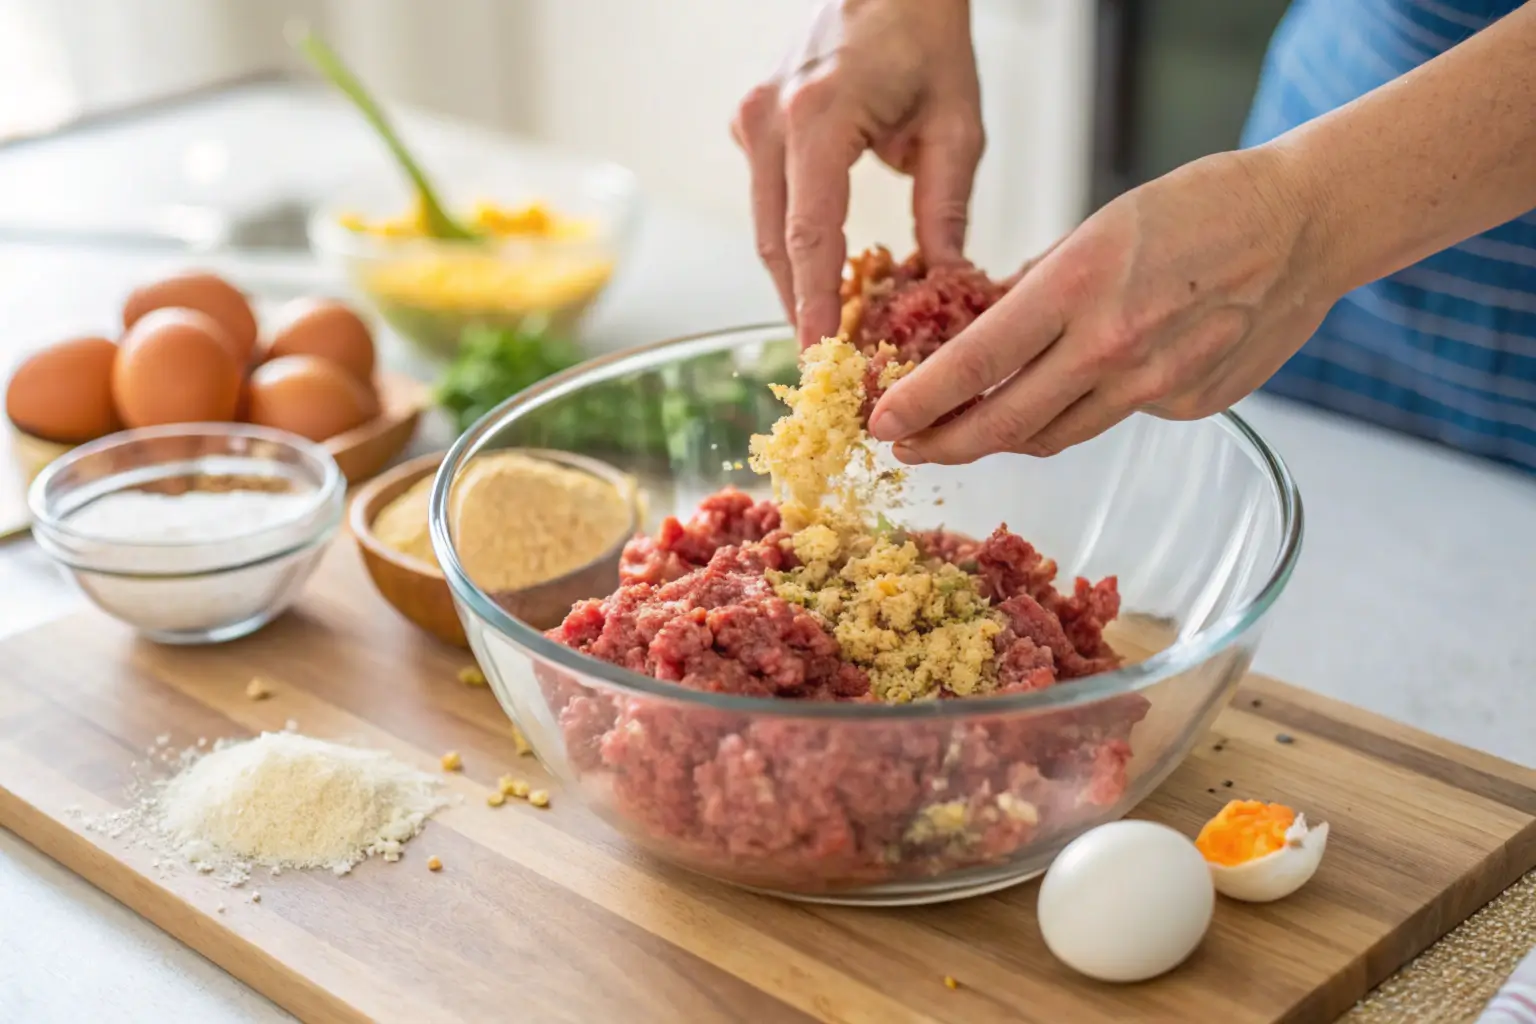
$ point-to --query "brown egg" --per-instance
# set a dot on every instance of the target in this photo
(328, 329)
(243, 403)
(309, 396)
(207, 293)
(175, 366)
(64, 392)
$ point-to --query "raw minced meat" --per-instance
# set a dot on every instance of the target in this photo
(910, 306)
(765, 799)
(726, 518)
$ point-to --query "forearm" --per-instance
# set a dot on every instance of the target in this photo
(1432, 158)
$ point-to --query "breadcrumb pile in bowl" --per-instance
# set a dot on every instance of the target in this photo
(870, 683)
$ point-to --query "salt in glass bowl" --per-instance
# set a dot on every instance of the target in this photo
(855, 802)
(191, 591)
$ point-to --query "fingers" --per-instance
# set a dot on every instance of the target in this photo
(758, 132)
(1004, 338)
(1010, 417)
(942, 178)
(821, 148)
(1084, 420)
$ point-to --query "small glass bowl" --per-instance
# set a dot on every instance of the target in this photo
(429, 290)
(191, 591)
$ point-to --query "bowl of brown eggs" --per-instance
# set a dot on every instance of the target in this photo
(192, 350)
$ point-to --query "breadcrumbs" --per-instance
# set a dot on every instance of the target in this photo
(917, 626)
(808, 452)
(520, 742)
(470, 675)
(451, 761)
(433, 864)
(521, 520)
(257, 689)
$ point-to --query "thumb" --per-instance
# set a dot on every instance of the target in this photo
(942, 177)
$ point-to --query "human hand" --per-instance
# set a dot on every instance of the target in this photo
(1177, 298)
(894, 76)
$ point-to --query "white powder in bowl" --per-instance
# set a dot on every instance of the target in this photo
(193, 517)
(284, 800)
(164, 563)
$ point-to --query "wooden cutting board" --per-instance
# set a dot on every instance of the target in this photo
(548, 916)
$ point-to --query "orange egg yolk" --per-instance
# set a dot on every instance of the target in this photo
(1244, 830)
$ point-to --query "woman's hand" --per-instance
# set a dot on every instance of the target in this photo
(1177, 299)
(894, 76)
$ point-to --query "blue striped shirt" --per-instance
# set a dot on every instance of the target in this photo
(1445, 349)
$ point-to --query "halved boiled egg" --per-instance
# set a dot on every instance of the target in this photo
(1260, 852)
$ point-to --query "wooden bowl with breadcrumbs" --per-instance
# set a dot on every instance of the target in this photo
(498, 505)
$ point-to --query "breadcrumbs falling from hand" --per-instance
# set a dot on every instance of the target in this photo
(809, 451)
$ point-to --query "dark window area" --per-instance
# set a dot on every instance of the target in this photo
(1175, 80)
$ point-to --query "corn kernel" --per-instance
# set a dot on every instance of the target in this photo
(520, 742)
(519, 789)
(504, 785)
(539, 798)
(950, 983)
(452, 762)
(257, 689)
(433, 864)
(470, 675)
(496, 799)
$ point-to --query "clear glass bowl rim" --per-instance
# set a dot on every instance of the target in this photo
(1184, 654)
(331, 483)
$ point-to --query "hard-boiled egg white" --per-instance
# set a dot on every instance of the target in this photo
(1261, 852)
(1126, 901)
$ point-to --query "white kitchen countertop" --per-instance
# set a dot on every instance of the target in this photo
(1413, 596)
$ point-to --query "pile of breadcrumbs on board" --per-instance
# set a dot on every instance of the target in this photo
(285, 801)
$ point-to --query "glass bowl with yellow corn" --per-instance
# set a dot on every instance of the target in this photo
(551, 232)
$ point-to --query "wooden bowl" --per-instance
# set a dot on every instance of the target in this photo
(364, 450)
(419, 590)
(416, 589)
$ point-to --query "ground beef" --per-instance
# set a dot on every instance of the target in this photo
(726, 517)
(917, 308)
(914, 308)
(808, 802)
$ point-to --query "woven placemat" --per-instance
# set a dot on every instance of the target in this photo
(1451, 981)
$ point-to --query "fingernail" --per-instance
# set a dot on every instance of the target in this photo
(907, 455)
(887, 426)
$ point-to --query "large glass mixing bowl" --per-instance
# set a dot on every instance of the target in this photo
(889, 804)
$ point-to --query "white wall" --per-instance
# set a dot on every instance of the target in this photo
(619, 79)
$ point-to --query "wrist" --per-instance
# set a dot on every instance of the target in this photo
(1321, 239)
